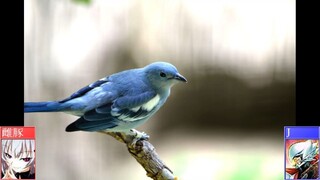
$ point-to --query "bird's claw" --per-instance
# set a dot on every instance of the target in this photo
(139, 136)
(143, 136)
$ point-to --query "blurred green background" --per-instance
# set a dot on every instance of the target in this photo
(225, 124)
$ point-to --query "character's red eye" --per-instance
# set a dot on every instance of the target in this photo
(25, 159)
(8, 155)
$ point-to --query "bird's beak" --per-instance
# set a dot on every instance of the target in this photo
(179, 77)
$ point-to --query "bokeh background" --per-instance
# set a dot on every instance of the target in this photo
(225, 124)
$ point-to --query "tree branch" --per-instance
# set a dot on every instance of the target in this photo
(144, 152)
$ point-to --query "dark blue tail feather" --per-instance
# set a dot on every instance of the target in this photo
(48, 106)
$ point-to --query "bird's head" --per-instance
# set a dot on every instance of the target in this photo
(163, 75)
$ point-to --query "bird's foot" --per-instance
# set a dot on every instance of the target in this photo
(138, 136)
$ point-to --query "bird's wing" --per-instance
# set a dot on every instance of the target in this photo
(85, 89)
(85, 125)
(125, 109)
(132, 108)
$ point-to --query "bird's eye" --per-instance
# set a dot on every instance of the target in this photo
(162, 74)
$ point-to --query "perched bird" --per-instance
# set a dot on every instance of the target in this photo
(116, 103)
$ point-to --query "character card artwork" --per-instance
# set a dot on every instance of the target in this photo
(302, 153)
(18, 153)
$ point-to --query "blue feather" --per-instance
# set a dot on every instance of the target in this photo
(85, 89)
(84, 125)
(118, 102)
(48, 106)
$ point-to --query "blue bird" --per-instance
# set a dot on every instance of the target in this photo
(116, 103)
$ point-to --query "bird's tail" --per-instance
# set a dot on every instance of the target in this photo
(48, 106)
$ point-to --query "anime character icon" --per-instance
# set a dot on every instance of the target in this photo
(18, 159)
(304, 158)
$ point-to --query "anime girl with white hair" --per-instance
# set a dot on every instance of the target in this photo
(304, 157)
(18, 159)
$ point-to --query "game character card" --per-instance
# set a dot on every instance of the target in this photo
(302, 153)
(18, 153)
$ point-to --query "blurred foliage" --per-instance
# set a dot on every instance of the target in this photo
(249, 168)
(82, 1)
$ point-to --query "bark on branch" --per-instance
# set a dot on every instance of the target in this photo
(144, 152)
